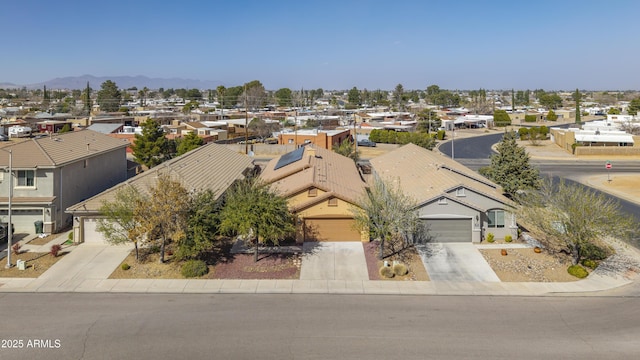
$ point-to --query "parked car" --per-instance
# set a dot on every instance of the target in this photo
(4, 231)
(366, 143)
(4, 137)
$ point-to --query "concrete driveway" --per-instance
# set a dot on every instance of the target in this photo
(456, 262)
(333, 261)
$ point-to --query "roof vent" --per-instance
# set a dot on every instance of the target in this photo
(88, 147)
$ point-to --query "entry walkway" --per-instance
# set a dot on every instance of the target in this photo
(456, 262)
(333, 261)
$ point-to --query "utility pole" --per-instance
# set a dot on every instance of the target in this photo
(453, 138)
(246, 123)
(10, 226)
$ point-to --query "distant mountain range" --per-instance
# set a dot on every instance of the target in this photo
(123, 82)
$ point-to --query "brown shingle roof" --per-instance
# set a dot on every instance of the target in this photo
(60, 149)
(209, 167)
(425, 175)
(319, 168)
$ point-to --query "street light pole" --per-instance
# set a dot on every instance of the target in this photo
(9, 226)
(453, 137)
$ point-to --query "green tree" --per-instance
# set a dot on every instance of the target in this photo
(398, 96)
(550, 101)
(187, 143)
(387, 214)
(510, 167)
(254, 94)
(428, 121)
(46, 99)
(552, 116)
(501, 118)
(151, 148)
(203, 223)
(65, 128)
(613, 111)
(353, 96)
(163, 216)
(574, 217)
(263, 129)
(577, 97)
(109, 96)
(284, 97)
(634, 106)
(119, 225)
(221, 93)
(347, 148)
(256, 212)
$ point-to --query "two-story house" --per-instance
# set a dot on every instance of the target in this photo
(55, 172)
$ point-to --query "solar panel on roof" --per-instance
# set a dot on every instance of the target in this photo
(289, 158)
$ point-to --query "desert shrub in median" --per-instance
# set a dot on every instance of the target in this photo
(386, 272)
(400, 269)
(594, 252)
(125, 266)
(591, 264)
(194, 268)
(577, 271)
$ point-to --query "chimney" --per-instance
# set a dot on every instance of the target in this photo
(311, 151)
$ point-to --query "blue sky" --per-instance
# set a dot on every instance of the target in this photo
(562, 44)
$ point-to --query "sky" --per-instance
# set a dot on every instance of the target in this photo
(551, 45)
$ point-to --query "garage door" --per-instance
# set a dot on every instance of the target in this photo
(449, 230)
(330, 230)
(23, 220)
(91, 235)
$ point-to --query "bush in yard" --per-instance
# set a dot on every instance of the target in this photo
(194, 268)
(508, 238)
(594, 252)
(400, 269)
(55, 250)
(591, 264)
(125, 266)
(577, 271)
(386, 272)
(70, 236)
(16, 248)
(523, 133)
(490, 237)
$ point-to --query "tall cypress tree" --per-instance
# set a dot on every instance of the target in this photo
(577, 96)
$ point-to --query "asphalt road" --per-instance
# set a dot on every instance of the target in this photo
(129, 326)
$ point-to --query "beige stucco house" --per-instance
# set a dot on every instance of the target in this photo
(321, 188)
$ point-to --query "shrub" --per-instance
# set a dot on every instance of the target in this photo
(523, 133)
(490, 237)
(440, 135)
(194, 268)
(577, 271)
(400, 269)
(386, 272)
(16, 248)
(55, 250)
(125, 266)
(530, 118)
(508, 238)
(594, 252)
(70, 236)
(591, 264)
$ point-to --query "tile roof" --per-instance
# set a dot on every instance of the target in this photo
(426, 175)
(319, 168)
(59, 149)
(209, 167)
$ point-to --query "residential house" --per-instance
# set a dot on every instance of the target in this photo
(321, 187)
(54, 172)
(454, 202)
(325, 139)
(209, 167)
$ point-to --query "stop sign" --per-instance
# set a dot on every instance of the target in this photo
(608, 165)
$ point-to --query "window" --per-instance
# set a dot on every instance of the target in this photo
(290, 141)
(495, 218)
(460, 192)
(333, 202)
(313, 192)
(26, 178)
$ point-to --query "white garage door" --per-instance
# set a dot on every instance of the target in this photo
(449, 230)
(23, 220)
(91, 235)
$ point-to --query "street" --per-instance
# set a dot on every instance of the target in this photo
(126, 326)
